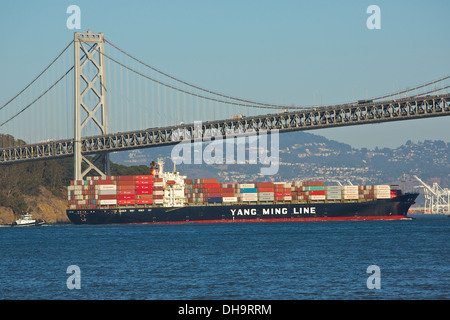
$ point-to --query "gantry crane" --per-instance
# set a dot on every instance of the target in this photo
(437, 199)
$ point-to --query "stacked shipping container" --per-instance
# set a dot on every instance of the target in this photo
(149, 190)
(112, 191)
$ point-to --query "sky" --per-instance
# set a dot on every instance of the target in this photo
(281, 52)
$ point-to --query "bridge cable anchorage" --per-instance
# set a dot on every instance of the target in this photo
(257, 104)
(38, 76)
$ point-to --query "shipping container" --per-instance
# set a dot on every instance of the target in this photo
(229, 199)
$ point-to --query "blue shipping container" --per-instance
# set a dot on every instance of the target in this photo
(249, 190)
(215, 199)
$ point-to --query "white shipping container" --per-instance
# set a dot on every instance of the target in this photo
(229, 199)
(383, 191)
(107, 202)
(333, 188)
(106, 192)
(287, 198)
(158, 201)
(383, 196)
(158, 184)
(382, 187)
(158, 192)
(348, 188)
(350, 196)
(350, 192)
(249, 195)
(265, 194)
(266, 198)
(246, 185)
(106, 187)
(334, 197)
(318, 197)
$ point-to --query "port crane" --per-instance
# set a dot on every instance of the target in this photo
(437, 199)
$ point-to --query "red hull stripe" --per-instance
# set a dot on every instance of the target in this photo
(399, 217)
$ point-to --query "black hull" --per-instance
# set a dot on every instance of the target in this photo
(387, 209)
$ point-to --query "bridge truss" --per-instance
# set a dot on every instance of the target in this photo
(307, 119)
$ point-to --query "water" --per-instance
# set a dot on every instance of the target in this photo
(249, 261)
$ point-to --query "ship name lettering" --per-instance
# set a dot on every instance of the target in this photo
(275, 211)
(243, 212)
(304, 210)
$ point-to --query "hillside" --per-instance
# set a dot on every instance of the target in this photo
(45, 206)
(305, 156)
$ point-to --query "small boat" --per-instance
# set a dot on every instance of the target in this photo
(27, 221)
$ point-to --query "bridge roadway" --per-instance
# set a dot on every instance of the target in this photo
(286, 121)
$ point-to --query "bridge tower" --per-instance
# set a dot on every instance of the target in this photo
(90, 99)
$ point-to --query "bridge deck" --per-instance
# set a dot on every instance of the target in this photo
(306, 119)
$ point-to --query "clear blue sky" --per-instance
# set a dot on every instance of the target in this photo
(284, 52)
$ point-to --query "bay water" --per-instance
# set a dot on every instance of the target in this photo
(226, 261)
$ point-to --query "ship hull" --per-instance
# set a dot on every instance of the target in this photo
(386, 209)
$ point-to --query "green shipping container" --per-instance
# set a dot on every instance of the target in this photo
(315, 188)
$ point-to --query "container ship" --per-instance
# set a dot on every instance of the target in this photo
(168, 197)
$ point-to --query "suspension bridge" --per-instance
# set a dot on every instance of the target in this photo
(102, 99)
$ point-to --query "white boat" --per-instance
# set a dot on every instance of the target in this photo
(27, 221)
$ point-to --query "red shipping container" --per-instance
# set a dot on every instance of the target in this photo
(120, 192)
(287, 194)
(144, 191)
(145, 187)
(144, 177)
(126, 201)
(144, 196)
(317, 193)
(127, 197)
(228, 194)
(264, 185)
(314, 183)
(208, 181)
(158, 196)
(144, 182)
(107, 197)
(103, 182)
(144, 201)
(266, 189)
(279, 194)
(211, 185)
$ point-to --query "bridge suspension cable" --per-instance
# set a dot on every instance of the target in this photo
(39, 97)
(38, 76)
(242, 102)
(415, 88)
